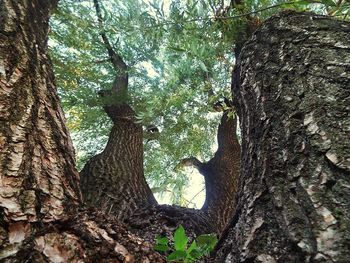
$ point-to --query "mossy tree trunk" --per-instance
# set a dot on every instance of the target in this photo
(292, 92)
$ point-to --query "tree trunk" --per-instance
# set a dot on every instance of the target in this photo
(221, 174)
(291, 87)
(39, 185)
(113, 181)
(39, 180)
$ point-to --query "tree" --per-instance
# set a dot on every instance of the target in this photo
(170, 91)
(172, 99)
(114, 180)
(292, 93)
(39, 228)
(40, 219)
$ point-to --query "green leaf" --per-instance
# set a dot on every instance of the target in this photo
(161, 247)
(203, 67)
(196, 254)
(161, 240)
(208, 240)
(177, 49)
(176, 255)
(192, 246)
(180, 238)
(193, 252)
(328, 2)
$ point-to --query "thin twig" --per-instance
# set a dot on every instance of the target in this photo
(196, 195)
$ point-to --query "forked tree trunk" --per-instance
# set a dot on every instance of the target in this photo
(113, 181)
(221, 177)
(39, 185)
(292, 91)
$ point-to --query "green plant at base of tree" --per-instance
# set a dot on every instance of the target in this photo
(181, 252)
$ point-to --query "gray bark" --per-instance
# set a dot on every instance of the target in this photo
(291, 87)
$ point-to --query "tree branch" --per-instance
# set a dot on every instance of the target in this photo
(191, 161)
(120, 84)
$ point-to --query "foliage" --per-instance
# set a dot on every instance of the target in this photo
(180, 58)
(181, 252)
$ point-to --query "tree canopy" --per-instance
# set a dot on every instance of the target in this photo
(180, 56)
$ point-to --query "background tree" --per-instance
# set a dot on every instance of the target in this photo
(114, 180)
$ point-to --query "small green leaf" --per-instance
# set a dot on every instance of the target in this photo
(192, 246)
(196, 254)
(161, 248)
(193, 252)
(180, 238)
(161, 240)
(203, 67)
(176, 255)
(207, 240)
(328, 2)
(177, 49)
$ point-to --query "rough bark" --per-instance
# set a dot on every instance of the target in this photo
(39, 186)
(221, 175)
(291, 87)
(38, 176)
(113, 181)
